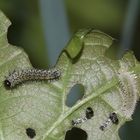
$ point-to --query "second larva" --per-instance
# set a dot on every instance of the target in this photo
(89, 113)
(113, 118)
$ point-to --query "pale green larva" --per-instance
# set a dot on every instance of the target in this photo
(129, 92)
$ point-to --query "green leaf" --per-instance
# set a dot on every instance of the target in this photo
(75, 45)
(110, 86)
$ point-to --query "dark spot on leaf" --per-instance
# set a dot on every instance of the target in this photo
(76, 134)
(76, 93)
(30, 133)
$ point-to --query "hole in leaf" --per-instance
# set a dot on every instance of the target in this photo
(30, 133)
(76, 93)
(76, 134)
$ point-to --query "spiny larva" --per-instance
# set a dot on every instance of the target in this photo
(129, 91)
(19, 76)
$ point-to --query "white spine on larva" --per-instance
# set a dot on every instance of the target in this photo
(79, 121)
(129, 92)
(20, 76)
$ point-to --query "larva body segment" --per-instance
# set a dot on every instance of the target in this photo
(79, 121)
(88, 115)
(112, 119)
(19, 76)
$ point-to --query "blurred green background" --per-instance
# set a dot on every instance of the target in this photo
(109, 16)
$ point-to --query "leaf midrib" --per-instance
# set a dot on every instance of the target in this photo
(91, 96)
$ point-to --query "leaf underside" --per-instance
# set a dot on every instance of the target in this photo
(110, 86)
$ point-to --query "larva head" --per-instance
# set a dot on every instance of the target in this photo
(89, 113)
(113, 117)
(7, 83)
(11, 80)
(102, 127)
